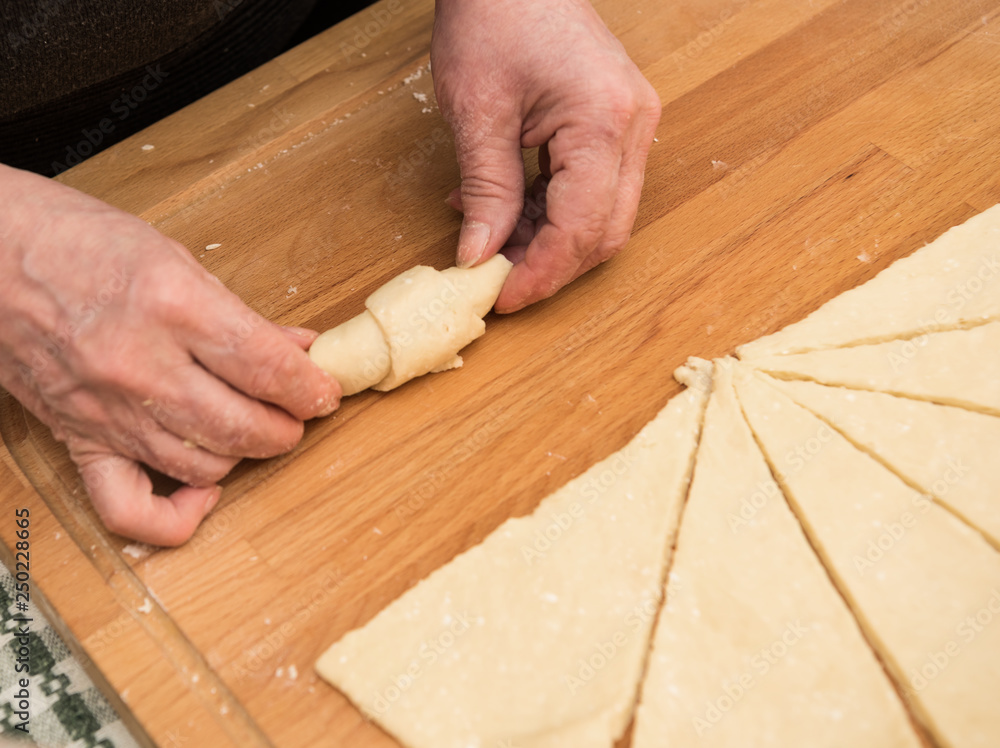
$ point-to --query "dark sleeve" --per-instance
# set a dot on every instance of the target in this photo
(78, 76)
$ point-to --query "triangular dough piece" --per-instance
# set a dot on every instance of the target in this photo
(959, 367)
(952, 282)
(537, 636)
(754, 645)
(949, 453)
(924, 585)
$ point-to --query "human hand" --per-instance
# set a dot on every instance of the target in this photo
(541, 74)
(121, 343)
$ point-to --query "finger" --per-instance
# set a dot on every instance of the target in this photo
(638, 140)
(181, 459)
(454, 199)
(301, 336)
(256, 357)
(122, 495)
(579, 200)
(531, 215)
(492, 194)
(208, 412)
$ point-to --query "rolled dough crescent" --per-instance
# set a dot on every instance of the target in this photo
(413, 325)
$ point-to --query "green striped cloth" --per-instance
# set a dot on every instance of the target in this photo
(65, 709)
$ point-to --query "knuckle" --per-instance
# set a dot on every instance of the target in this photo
(485, 185)
(273, 374)
(164, 294)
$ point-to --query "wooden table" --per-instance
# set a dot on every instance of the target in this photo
(803, 147)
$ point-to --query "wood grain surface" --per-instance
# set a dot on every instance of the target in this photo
(803, 147)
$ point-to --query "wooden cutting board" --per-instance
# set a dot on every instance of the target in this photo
(803, 148)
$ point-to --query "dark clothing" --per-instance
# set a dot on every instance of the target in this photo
(76, 77)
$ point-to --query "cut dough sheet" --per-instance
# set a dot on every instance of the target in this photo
(754, 645)
(952, 282)
(536, 637)
(413, 325)
(949, 453)
(924, 585)
(958, 367)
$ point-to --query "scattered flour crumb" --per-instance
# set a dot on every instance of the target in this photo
(279, 672)
(146, 607)
(376, 531)
(413, 77)
(58, 535)
(148, 147)
(212, 246)
(292, 290)
(421, 97)
(426, 110)
(865, 257)
(293, 672)
(719, 165)
(137, 550)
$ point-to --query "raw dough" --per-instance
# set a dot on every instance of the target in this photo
(414, 324)
(754, 645)
(959, 367)
(947, 452)
(537, 635)
(952, 282)
(924, 586)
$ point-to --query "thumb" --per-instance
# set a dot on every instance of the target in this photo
(122, 494)
(492, 196)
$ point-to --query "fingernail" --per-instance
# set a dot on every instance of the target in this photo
(213, 499)
(332, 404)
(472, 244)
